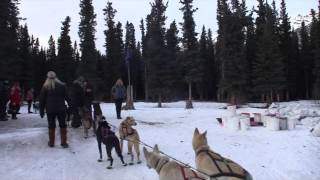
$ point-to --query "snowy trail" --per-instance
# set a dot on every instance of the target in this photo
(267, 155)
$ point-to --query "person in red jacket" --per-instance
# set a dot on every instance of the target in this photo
(29, 99)
(15, 99)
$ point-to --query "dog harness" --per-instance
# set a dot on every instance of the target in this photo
(125, 130)
(195, 175)
(219, 158)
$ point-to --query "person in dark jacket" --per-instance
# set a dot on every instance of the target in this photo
(52, 99)
(4, 98)
(118, 93)
(77, 100)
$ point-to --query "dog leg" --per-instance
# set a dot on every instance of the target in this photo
(130, 144)
(109, 157)
(94, 127)
(118, 151)
(121, 144)
(100, 152)
(85, 131)
(129, 148)
(136, 148)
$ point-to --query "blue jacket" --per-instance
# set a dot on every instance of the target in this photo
(118, 92)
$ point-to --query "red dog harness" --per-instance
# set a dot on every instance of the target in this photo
(125, 130)
(195, 175)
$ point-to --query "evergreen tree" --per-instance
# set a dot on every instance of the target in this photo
(139, 93)
(9, 25)
(269, 77)
(250, 51)
(112, 53)
(232, 54)
(173, 76)
(51, 54)
(36, 64)
(261, 18)
(222, 12)
(119, 55)
(65, 61)
(316, 35)
(156, 53)
(193, 71)
(307, 63)
(286, 51)
(211, 68)
(203, 49)
(87, 39)
(297, 66)
(76, 54)
(24, 47)
(143, 59)
(40, 72)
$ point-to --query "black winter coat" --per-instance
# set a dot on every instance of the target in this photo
(4, 93)
(53, 101)
(77, 95)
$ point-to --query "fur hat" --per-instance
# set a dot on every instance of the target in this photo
(51, 75)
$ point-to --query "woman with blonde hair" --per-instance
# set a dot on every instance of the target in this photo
(118, 93)
(52, 99)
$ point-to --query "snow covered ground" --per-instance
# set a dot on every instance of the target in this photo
(267, 155)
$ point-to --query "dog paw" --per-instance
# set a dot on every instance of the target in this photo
(109, 167)
(99, 160)
(139, 162)
(125, 164)
(131, 163)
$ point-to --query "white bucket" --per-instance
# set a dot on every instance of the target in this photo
(233, 123)
(224, 121)
(264, 120)
(292, 123)
(232, 110)
(273, 123)
(316, 130)
(244, 123)
(257, 117)
(283, 122)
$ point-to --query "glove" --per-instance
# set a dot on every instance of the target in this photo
(41, 114)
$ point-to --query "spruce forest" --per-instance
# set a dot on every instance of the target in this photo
(257, 55)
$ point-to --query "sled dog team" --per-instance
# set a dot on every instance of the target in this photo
(209, 163)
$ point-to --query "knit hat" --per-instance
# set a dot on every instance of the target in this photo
(51, 75)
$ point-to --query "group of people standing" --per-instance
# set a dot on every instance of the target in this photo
(54, 96)
(13, 96)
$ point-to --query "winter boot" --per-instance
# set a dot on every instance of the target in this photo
(63, 134)
(51, 137)
(14, 116)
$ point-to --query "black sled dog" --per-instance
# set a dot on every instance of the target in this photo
(106, 136)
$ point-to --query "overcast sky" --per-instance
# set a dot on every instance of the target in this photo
(44, 17)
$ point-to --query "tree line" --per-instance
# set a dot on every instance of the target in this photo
(256, 56)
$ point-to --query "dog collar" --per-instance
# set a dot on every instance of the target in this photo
(159, 165)
(202, 149)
